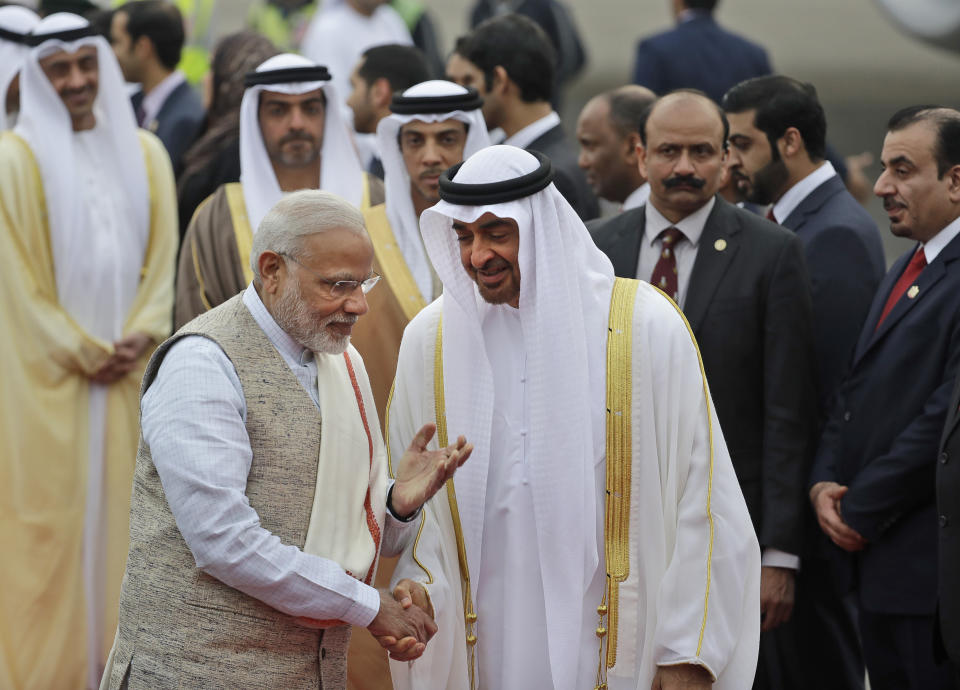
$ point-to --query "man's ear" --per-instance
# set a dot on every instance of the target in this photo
(952, 176)
(501, 80)
(792, 143)
(271, 266)
(632, 144)
(143, 48)
(641, 152)
(380, 93)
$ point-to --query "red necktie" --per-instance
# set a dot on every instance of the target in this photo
(772, 218)
(665, 272)
(909, 275)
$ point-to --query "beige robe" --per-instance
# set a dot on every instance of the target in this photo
(44, 427)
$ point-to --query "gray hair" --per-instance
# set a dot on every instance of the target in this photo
(297, 216)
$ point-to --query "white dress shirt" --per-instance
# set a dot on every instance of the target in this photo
(801, 190)
(529, 134)
(685, 251)
(638, 197)
(153, 101)
(941, 240)
(204, 465)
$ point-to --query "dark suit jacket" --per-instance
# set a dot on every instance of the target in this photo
(749, 307)
(846, 264)
(697, 54)
(178, 122)
(883, 436)
(948, 505)
(568, 177)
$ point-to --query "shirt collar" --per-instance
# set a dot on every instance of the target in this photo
(691, 226)
(278, 337)
(801, 190)
(153, 101)
(936, 243)
(529, 134)
(638, 197)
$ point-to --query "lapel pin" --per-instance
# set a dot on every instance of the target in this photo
(720, 245)
(913, 291)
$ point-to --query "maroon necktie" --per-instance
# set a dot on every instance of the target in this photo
(909, 275)
(770, 215)
(665, 272)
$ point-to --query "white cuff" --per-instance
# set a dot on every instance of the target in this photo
(779, 559)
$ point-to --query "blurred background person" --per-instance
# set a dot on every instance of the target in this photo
(697, 54)
(342, 29)
(381, 72)
(608, 132)
(214, 158)
(557, 22)
(147, 37)
(15, 24)
(510, 61)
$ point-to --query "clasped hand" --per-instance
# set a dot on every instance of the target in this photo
(126, 353)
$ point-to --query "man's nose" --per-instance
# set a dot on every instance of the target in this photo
(356, 303)
(480, 254)
(75, 78)
(684, 164)
(883, 187)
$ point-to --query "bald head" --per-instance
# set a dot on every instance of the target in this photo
(608, 132)
(683, 152)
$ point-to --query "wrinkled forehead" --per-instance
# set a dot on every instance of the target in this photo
(58, 54)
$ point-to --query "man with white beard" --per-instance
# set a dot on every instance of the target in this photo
(261, 502)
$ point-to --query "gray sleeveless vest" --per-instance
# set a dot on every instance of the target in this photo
(182, 628)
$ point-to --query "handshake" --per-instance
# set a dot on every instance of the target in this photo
(404, 624)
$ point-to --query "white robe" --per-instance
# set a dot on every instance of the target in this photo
(692, 594)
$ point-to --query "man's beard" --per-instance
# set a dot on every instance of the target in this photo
(294, 316)
(768, 181)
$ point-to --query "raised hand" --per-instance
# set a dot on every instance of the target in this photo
(421, 472)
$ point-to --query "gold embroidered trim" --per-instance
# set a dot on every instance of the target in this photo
(392, 264)
(241, 227)
(619, 467)
(469, 616)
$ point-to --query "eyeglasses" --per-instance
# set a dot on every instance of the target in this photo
(339, 288)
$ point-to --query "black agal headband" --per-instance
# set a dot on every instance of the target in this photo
(429, 105)
(500, 192)
(67, 36)
(286, 75)
(13, 36)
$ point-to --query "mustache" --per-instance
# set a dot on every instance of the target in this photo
(432, 172)
(343, 318)
(684, 181)
(493, 265)
(889, 204)
(65, 93)
(296, 136)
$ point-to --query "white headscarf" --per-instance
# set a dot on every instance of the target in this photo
(19, 20)
(340, 169)
(45, 125)
(565, 289)
(400, 211)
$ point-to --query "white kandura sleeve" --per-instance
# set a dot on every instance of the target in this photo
(193, 419)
